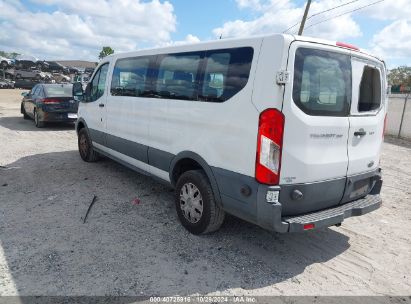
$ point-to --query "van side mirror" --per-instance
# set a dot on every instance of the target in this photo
(77, 89)
(87, 93)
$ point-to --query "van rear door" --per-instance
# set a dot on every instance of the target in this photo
(366, 118)
(316, 107)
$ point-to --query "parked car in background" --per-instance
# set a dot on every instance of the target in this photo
(55, 67)
(74, 70)
(6, 62)
(59, 78)
(6, 84)
(89, 71)
(30, 74)
(25, 84)
(49, 103)
(83, 79)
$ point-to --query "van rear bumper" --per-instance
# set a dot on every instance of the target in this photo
(269, 215)
(333, 216)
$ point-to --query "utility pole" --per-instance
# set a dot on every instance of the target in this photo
(307, 8)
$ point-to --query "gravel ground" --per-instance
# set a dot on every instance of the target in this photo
(141, 249)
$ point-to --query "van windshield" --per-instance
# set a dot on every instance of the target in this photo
(322, 82)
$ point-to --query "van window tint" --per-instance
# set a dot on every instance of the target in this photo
(177, 76)
(129, 77)
(322, 82)
(370, 90)
(226, 73)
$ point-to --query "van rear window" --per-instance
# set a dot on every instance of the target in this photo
(322, 82)
(370, 90)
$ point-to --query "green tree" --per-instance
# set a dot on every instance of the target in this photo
(12, 55)
(400, 76)
(105, 52)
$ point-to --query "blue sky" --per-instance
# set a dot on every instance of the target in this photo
(77, 29)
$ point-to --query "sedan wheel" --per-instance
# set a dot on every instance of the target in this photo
(37, 121)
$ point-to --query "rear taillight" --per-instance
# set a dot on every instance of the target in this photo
(385, 126)
(51, 101)
(269, 147)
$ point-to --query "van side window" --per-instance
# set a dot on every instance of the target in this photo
(226, 73)
(177, 76)
(130, 76)
(370, 90)
(322, 82)
(99, 82)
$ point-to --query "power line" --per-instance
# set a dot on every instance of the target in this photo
(349, 12)
(322, 12)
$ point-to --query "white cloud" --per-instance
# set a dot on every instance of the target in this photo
(188, 39)
(389, 10)
(393, 41)
(253, 4)
(278, 15)
(78, 29)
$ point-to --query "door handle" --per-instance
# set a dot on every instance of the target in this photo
(101, 105)
(360, 133)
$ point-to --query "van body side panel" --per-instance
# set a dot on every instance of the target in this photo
(222, 133)
(238, 193)
(273, 57)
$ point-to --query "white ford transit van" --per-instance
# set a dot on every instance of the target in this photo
(282, 131)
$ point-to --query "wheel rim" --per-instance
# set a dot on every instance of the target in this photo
(83, 145)
(191, 203)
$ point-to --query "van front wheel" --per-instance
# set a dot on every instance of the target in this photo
(85, 147)
(196, 207)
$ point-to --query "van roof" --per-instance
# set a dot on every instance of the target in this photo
(171, 48)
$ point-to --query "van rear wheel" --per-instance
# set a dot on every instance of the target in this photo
(85, 147)
(195, 203)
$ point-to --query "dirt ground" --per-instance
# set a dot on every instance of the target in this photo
(141, 249)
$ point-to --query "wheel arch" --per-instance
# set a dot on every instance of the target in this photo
(80, 124)
(187, 160)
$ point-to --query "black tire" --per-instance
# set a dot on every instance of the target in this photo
(23, 111)
(37, 121)
(85, 147)
(212, 216)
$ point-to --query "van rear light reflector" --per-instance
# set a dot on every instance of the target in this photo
(348, 46)
(269, 147)
(309, 226)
